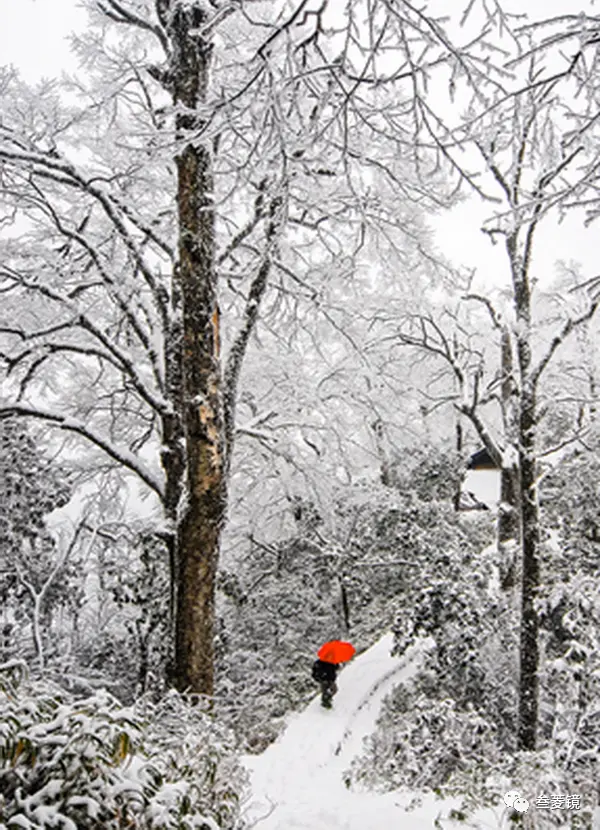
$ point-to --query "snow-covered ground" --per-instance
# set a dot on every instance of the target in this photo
(298, 782)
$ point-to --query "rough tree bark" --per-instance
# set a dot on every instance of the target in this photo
(508, 513)
(201, 518)
(530, 579)
(508, 519)
(528, 504)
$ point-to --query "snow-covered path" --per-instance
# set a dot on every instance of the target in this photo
(297, 783)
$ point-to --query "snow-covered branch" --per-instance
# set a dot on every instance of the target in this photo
(121, 455)
(116, 11)
(255, 295)
(117, 355)
(50, 165)
(570, 325)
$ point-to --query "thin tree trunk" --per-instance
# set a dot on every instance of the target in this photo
(508, 514)
(385, 468)
(459, 451)
(508, 530)
(37, 629)
(529, 650)
(529, 514)
(345, 605)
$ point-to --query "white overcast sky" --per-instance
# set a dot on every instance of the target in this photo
(34, 35)
(34, 38)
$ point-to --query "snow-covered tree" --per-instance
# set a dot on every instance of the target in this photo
(36, 575)
(231, 185)
(522, 147)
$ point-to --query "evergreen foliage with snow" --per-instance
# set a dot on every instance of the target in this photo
(89, 763)
(431, 473)
(570, 495)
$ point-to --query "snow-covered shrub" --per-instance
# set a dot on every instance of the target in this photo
(429, 473)
(454, 728)
(570, 678)
(474, 629)
(30, 489)
(130, 647)
(570, 497)
(422, 742)
(87, 764)
(428, 744)
(457, 717)
(569, 608)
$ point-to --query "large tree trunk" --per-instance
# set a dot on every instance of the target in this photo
(173, 462)
(200, 518)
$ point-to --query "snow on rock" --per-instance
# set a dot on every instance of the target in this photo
(298, 782)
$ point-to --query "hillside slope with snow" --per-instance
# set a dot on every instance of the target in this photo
(298, 782)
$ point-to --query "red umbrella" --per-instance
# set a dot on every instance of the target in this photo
(336, 651)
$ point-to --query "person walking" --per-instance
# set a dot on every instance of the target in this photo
(325, 669)
(325, 674)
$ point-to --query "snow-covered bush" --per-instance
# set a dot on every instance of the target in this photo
(570, 679)
(457, 717)
(474, 629)
(422, 742)
(427, 744)
(453, 729)
(87, 764)
(430, 473)
(34, 582)
(130, 647)
(570, 497)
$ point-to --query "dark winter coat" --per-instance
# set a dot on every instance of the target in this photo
(324, 672)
